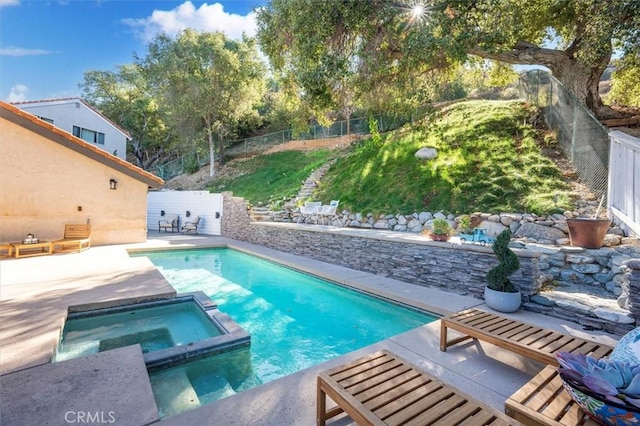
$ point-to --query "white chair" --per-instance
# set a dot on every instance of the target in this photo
(191, 225)
(310, 209)
(328, 210)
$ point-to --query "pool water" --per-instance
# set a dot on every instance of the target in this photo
(155, 328)
(295, 320)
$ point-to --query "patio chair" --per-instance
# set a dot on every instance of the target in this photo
(75, 236)
(328, 210)
(382, 389)
(310, 209)
(169, 222)
(540, 344)
(191, 225)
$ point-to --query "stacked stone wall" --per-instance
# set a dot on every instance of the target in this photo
(546, 271)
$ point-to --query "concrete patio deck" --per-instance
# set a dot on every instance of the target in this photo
(35, 294)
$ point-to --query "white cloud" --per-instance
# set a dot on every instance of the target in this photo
(18, 93)
(205, 18)
(22, 51)
(4, 3)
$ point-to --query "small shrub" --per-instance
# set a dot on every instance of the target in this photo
(498, 277)
(440, 227)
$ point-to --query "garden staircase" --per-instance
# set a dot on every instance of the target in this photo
(266, 214)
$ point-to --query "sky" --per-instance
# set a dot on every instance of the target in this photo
(46, 46)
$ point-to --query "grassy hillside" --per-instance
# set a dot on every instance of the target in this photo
(489, 159)
(272, 177)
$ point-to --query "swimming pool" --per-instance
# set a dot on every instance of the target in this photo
(295, 320)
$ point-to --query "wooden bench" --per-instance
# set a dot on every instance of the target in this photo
(544, 402)
(533, 342)
(74, 236)
(383, 389)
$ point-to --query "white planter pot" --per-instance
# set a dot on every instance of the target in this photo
(502, 301)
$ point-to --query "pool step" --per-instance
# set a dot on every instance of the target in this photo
(173, 392)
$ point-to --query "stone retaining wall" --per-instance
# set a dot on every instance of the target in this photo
(544, 274)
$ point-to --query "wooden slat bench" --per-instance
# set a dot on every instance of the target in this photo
(383, 389)
(74, 236)
(533, 342)
(544, 402)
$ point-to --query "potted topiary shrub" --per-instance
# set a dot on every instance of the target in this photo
(440, 230)
(500, 294)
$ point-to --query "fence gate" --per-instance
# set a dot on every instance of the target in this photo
(187, 205)
(624, 181)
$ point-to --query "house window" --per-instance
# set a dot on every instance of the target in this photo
(89, 135)
(48, 120)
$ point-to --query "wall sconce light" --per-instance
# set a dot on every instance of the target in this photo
(113, 184)
(188, 213)
(162, 213)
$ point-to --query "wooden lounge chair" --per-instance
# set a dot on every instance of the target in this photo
(191, 225)
(543, 401)
(169, 222)
(384, 389)
(74, 236)
(524, 339)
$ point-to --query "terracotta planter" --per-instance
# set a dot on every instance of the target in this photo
(439, 237)
(588, 233)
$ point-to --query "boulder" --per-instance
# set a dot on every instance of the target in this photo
(538, 232)
(426, 153)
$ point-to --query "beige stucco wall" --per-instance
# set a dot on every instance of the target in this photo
(43, 184)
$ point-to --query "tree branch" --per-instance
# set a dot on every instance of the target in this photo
(524, 53)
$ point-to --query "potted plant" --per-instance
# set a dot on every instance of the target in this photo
(500, 294)
(606, 389)
(588, 232)
(440, 230)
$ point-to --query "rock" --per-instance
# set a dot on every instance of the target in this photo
(541, 300)
(439, 215)
(574, 306)
(402, 220)
(586, 268)
(574, 258)
(611, 240)
(424, 216)
(426, 153)
(612, 315)
(630, 241)
(539, 232)
(414, 225)
(493, 228)
(380, 224)
(400, 227)
(506, 220)
(632, 263)
(623, 301)
(563, 241)
(494, 218)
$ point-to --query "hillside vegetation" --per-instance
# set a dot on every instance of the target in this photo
(489, 159)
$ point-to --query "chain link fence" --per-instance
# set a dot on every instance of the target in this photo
(583, 139)
(258, 144)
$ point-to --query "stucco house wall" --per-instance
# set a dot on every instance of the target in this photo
(70, 112)
(49, 178)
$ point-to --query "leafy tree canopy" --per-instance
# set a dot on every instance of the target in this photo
(321, 42)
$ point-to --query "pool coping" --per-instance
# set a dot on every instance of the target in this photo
(36, 293)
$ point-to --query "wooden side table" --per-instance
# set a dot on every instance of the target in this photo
(36, 249)
(8, 247)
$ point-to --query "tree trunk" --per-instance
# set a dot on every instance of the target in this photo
(581, 79)
(212, 153)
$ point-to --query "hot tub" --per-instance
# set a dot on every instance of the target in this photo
(188, 326)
